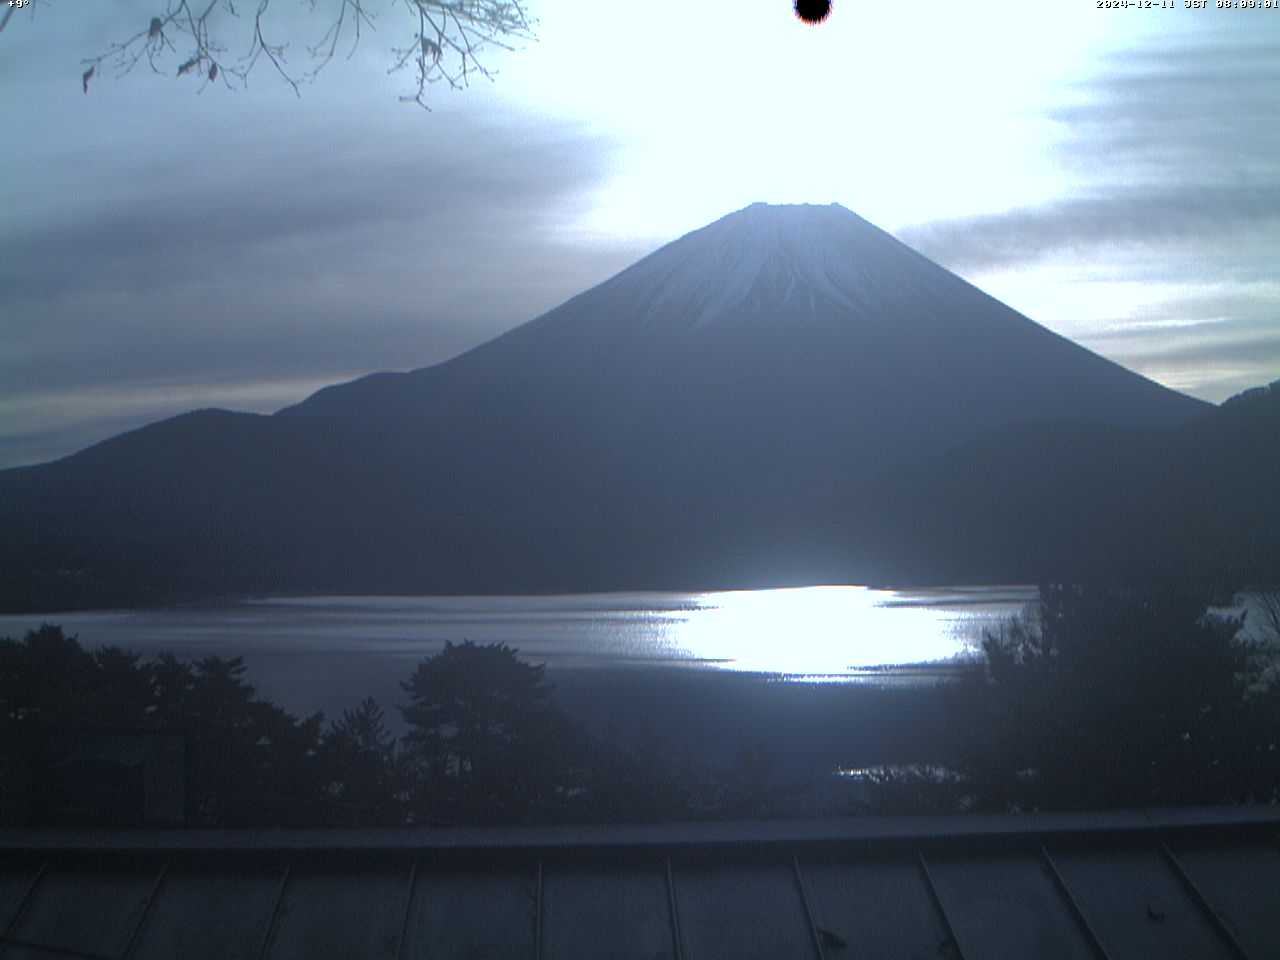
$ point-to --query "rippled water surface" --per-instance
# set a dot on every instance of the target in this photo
(831, 632)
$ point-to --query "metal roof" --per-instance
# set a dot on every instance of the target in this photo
(1138, 884)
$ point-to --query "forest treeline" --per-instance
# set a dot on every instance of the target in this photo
(1106, 697)
(1094, 698)
(485, 743)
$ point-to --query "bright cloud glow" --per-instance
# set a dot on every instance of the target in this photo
(722, 104)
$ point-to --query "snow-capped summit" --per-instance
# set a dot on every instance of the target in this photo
(798, 308)
(760, 259)
(769, 265)
(765, 398)
(799, 280)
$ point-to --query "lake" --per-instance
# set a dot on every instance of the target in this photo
(327, 653)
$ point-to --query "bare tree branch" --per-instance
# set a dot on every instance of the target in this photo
(444, 40)
(12, 7)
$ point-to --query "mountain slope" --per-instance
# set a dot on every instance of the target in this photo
(723, 412)
(787, 294)
(1044, 502)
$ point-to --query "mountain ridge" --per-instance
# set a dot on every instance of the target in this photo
(705, 429)
(880, 310)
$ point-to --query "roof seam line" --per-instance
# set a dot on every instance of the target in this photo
(1202, 904)
(408, 908)
(269, 936)
(674, 912)
(148, 908)
(808, 910)
(1072, 905)
(25, 904)
(937, 902)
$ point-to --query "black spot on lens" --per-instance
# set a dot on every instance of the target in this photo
(813, 11)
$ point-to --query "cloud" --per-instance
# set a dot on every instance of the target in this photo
(222, 244)
(1173, 158)
(301, 270)
(235, 215)
(1138, 217)
(51, 422)
(1169, 145)
(1214, 343)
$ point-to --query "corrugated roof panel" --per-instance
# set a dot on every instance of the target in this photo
(211, 912)
(1005, 904)
(331, 913)
(618, 912)
(473, 915)
(87, 909)
(39, 953)
(1242, 884)
(741, 912)
(879, 906)
(15, 881)
(737, 890)
(1136, 905)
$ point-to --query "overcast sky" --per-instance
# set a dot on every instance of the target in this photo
(1113, 174)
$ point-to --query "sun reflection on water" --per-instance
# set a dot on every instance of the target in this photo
(825, 632)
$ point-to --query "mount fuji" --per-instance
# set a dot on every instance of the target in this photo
(795, 308)
(777, 397)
